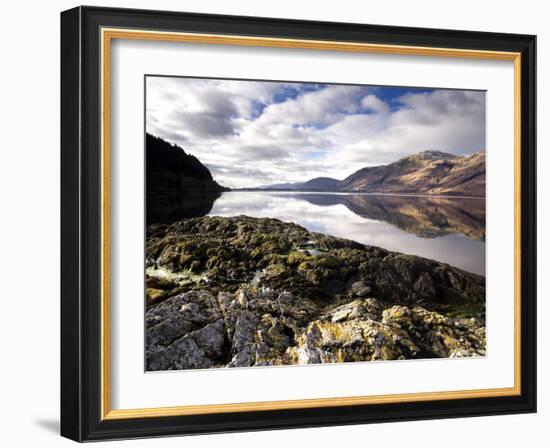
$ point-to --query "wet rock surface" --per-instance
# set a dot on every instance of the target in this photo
(241, 291)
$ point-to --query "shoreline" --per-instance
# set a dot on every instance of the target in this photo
(366, 193)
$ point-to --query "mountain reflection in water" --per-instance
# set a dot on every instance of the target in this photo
(427, 217)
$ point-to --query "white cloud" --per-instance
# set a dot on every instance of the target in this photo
(375, 104)
(253, 133)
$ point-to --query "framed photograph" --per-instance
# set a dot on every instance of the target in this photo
(276, 224)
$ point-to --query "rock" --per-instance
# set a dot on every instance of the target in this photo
(244, 332)
(231, 252)
(183, 353)
(257, 298)
(154, 295)
(362, 330)
(244, 358)
(242, 300)
(210, 339)
(359, 289)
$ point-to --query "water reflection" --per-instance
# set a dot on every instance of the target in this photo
(450, 230)
(427, 217)
(171, 207)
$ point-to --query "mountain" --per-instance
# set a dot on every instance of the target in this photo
(284, 186)
(428, 172)
(317, 184)
(321, 184)
(170, 168)
(178, 185)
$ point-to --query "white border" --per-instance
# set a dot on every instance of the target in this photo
(131, 387)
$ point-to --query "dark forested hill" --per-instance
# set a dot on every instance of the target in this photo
(170, 168)
(178, 185)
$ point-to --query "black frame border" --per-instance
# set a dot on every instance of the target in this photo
(81, 223)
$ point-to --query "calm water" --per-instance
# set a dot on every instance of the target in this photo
(451, 230)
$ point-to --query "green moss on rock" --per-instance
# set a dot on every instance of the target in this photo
(283, 295)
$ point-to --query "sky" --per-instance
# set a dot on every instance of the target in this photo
(253, 133)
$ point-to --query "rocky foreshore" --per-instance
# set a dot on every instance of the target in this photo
(241, 291)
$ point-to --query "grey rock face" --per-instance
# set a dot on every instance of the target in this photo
(361, 330)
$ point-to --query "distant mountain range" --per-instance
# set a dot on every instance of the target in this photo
(428, 172)
(317, 184)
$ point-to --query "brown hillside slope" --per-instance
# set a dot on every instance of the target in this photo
(428, 172)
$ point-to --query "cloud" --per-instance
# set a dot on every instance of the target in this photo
(202, 125)
(253, 133)
(375, 104)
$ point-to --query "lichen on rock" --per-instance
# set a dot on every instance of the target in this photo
(241, 291)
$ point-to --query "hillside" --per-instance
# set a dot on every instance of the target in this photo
(428, 172)
(170, 168)
(321, 184)
(178, 185)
